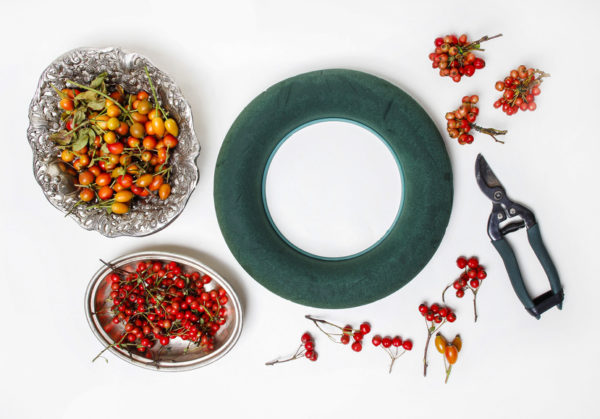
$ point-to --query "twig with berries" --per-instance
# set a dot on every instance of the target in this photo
(339, 334)
(387, 343)
(435, 317)
(305, 350)
(462, 120)
(449, 351)
(471, 279)
(455, 57)
(520, 89)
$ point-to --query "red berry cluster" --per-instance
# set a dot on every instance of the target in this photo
(305, 350)
(436, 313)
(470, 279)
(462, 120)
(160, 302)
(520, 89)
(435, 316)
(344, 334)
(396, 342)
(455, 57)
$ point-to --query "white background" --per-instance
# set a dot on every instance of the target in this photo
(222, 54)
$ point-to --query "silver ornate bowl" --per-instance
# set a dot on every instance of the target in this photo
(127, 69)
(175, 356)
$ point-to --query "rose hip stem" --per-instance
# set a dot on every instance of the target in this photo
(490, 131)
(317, 321)
(473, 45)
(430, 331)
(299, 354)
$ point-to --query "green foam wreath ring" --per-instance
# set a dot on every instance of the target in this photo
(409, 133)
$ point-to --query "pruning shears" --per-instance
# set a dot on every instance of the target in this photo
(502, 210)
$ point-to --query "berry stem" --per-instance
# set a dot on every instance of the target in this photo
(475, 304)
(475, 44)
(299, 354)
(98, 92)
(317, 321)
(448, 371)
(490, 131)
(444, 292)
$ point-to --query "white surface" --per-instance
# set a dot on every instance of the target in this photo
(223, 54)
(333, 189)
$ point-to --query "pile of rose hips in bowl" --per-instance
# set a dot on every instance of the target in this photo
(455, 58)
(116, 144)
(520, 88)
(158, 302)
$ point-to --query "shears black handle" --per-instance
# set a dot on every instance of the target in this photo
(544, 302)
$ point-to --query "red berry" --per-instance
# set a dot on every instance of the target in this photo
(451, 317)
(456, 284)
(460, 293)
(306, 337)
(438, 42)
(479, 63)
(438, 319)
(473, 263)
(386, 342)
(357, 346)
(309, 346)
(365, 328)
(472, 273)
(407, 345)
(310, 355)
(429, 317)
(481, 274)
(376, 340)
(443, 312)
(397, 341)
(461, 262)
(358, 336)
(345, 339)
(423, 309)
(474, 283)
(435, 308)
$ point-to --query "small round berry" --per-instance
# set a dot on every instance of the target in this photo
(386, 342)
(499, 86)
(438, 319)
(460, 293)
(474, 283)
(443, 312)
(358, 336)
(357, 346)
(365, 328)
(309, 346)
(535, 90)
(474, 99)
(407, 344)
(479, 63)
(306, 337)
(345, 339)
(347, 329)
(310, 355)
(461, 262)
(472, 273)
(397, 341)
(423, 309)
(451, 317)
(376, 340)
(435, 308)
(456, 285)
(429, 317)
(438, 42)
(473, 263)
(481, 274)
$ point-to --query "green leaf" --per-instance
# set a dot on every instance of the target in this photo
(87, 96)
(98, 80)
(96, 105)
(104, 148)
(119, 171)
(62, 137)
(90, 134)
(81, 141)
(78, 117)
(97, 130)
